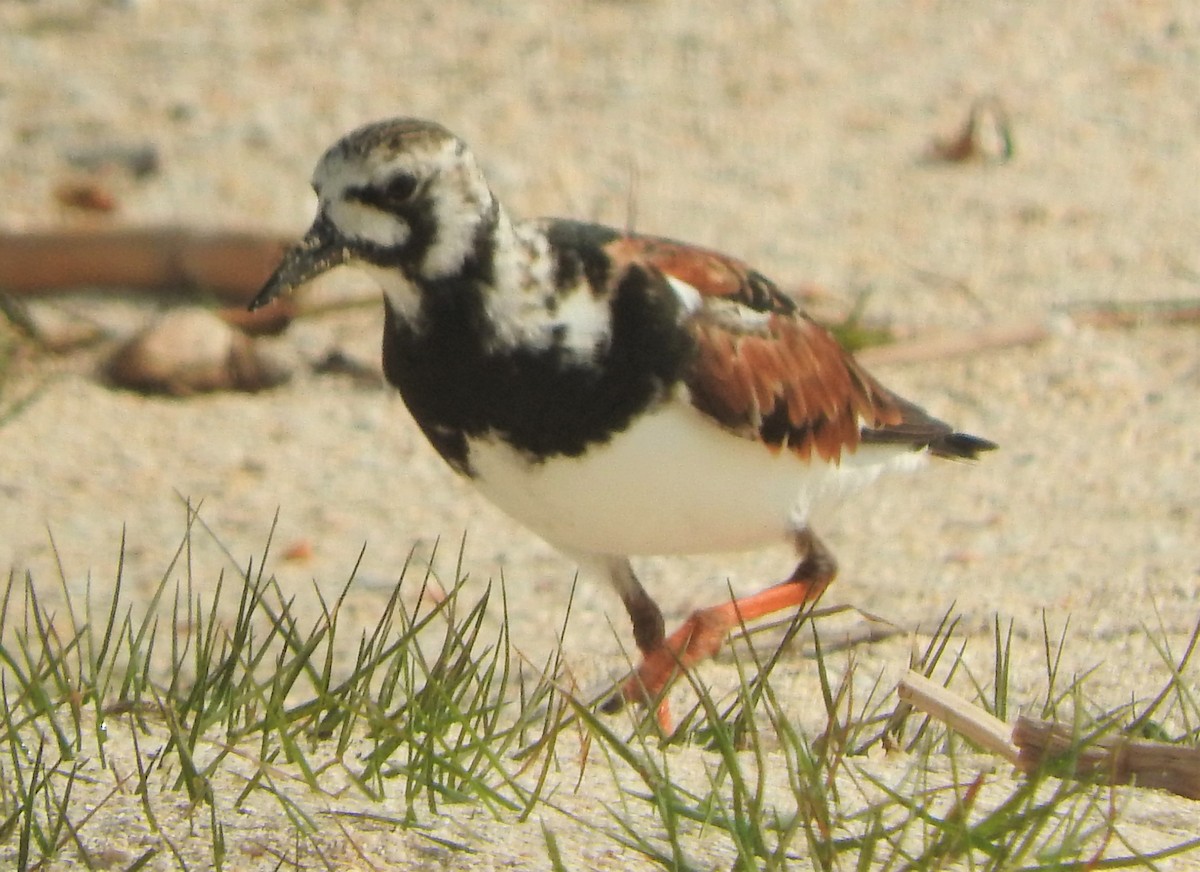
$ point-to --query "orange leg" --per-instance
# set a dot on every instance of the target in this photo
(703, 633)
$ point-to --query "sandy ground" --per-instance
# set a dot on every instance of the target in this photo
(788, 133)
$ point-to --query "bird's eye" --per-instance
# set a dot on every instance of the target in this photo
(399, 189)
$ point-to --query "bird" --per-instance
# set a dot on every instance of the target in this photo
(619, 394)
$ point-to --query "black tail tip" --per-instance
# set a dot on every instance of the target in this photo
(962, 446)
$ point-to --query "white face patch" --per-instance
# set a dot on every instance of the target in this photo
(461, 198)
(449, 184)
(358, 221)
(403, 296)
(333, 178)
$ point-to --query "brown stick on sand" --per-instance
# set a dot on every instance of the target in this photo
(1037, 745)
(1111, 760)
(231, 265)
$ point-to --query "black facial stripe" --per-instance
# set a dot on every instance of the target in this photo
(417, 214)
(422, 224)
(394, 197)
(367, 194)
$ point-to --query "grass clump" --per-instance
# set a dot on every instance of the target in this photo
(187, 717)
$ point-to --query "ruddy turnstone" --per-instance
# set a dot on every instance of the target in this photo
(619, 394)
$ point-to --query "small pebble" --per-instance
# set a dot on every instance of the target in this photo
(191, 351)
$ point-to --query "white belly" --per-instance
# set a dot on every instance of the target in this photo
(673, 483)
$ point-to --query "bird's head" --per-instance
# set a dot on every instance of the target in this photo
(403, 194)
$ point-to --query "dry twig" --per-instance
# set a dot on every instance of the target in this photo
(1056, 748)
(233, 266)
(982, 728)
(1110, 760)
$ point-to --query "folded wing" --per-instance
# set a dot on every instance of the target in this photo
(765, 370)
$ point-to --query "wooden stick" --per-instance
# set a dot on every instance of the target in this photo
(229, 264)
(986, 731)
(1055, 748)
(1110, 760)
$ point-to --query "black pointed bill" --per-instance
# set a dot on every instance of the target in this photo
(318, 252)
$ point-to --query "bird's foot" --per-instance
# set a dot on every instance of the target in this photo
(702, 635)
(699, 638)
